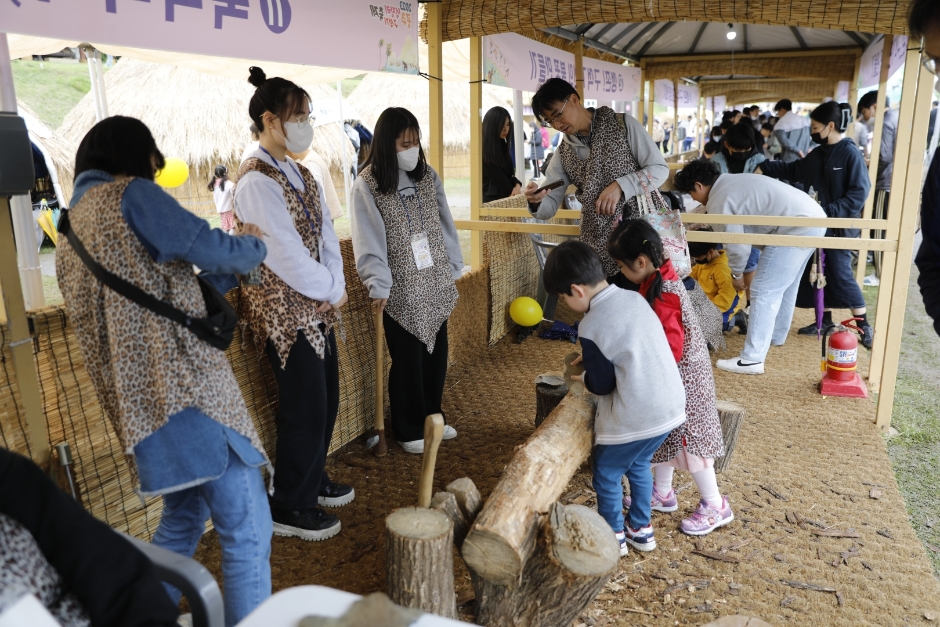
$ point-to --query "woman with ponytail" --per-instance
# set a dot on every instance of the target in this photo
(837, 174)
(221, 189)
(293, 308)
(638, 251)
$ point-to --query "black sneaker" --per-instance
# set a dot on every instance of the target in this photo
(311, 524)
(336, 494)
(867, 334)
(740, 321)
(811, 329)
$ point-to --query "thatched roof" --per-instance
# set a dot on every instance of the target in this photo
(469, 18)
(60, 149)
(200, 118)
(377, 92)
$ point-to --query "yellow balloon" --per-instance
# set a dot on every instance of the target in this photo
(525, 311)
(173, 174)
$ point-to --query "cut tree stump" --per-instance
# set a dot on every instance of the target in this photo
(419, 560)
(574, 556)
(731, 415)
(446, 503)
(468, 497)
(503, 536)
(547, 398)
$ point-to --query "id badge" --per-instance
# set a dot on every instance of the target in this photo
(421, 250)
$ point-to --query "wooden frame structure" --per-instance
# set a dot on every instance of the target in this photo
(896, 247)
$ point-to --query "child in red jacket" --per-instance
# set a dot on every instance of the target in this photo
(638, 251)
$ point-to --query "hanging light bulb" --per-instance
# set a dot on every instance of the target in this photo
(731, 32)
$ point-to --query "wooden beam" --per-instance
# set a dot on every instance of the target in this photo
(21, 343)
(435, 88)
(675, 116)
(909, 148)
(579, 68)
(853, 86)
(875, 144)
(738, 56)
(771, 79)
(799, 38)
(652, 40)
(641, 101)
(907, 205)
(476, 146)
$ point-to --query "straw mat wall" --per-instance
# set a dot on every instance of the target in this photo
(74, 415)
(470, 18)
(831, 67)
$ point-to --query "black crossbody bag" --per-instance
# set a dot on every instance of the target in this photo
(216, 329)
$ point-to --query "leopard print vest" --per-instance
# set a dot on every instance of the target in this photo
(701, 431)
(25, 570)
(610, 159)
(273, 310)
(420, 300)
(144, 367)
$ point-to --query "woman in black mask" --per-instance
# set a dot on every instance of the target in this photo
(837, 174)
(739, 151)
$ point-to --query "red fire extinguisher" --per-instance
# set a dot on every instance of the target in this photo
(839, 359)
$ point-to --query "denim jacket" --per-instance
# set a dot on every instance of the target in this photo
(191, 448)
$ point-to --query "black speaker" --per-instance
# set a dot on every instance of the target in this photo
(16, 156)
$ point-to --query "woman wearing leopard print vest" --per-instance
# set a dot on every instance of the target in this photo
(609, 157)
(173, 399)
(408, 256)
(292, 310)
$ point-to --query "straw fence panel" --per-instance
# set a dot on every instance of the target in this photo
(709, 89)
(470, 18)
(74, 415)
(833, 67)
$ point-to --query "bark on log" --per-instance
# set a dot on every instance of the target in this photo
(419, 560)
(547, 398)
(576, 553)
(446, 503)
(731, 415)
(468, 497)
(503, 536)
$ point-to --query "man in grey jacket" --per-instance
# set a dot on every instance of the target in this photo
(791, 131)
(776, 282)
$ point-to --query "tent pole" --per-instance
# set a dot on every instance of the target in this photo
(907, 205)
(579, 68)
(343, 146)
(90, 61)
(651, 92)
(675, 116)
(21, 209)
(518, 131)
(853, 86)
(875, 149)
(21, 344)
(476, 147)
(641, 105)
(435, 17)
(99, 81)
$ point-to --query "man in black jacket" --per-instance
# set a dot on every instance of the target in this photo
(924, 21)
(114, 582)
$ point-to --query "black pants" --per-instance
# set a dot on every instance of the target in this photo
(623, 282)
(416, 379)
(308, 401)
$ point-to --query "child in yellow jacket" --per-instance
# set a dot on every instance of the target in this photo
(711, 270)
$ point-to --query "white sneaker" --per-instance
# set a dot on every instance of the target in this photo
(449, 433)
(871, 280)
(736, 364)
(415, 446)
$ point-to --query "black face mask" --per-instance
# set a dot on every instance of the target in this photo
(738, 156)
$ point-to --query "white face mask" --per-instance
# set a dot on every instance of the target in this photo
(299, 135)
(408, 159)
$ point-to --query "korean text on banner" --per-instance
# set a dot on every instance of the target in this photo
(688, 96)
(721, 103)
(287, 31)
(608, 81)
(869, 71)
(664, 93)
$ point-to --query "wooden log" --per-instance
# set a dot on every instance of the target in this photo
(575, 554)
(547, 398)
(446, 503)
(503, 536)
(731, 415)
(419, 560)
(468, 497)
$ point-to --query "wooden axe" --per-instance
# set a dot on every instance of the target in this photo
(381, 447)
(433, 433)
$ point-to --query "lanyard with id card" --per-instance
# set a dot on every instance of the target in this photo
(420, 247)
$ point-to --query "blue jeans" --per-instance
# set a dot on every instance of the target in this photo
(773, 296)
(612, 461)
(238, 505)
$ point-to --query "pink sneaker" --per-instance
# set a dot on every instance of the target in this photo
(660, 503)
(706, 519)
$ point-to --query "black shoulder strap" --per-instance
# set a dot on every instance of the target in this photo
(116, 283)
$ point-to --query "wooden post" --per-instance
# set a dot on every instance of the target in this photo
(675, 116)
(908, 206)
(853, 86)
(380, 449)
(419, 560)
(476, 147)
(21, 344)
(641, 101)
(652, 97)
(579, 68)
(875, 149)
(700, 126)
(435, 87)
(731, 415)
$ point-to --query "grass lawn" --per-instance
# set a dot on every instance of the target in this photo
(51, 88)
